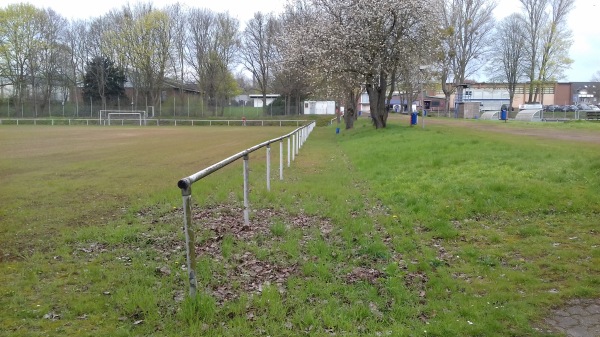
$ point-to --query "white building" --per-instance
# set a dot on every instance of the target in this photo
(319, 107)
(258, 102)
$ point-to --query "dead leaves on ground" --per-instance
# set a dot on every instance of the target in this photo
(244, 271)
(248, 258)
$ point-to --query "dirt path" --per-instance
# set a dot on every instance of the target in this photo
(571, 135)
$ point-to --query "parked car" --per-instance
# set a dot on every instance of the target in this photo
(552, 108)
(583, 106)
(572, 108)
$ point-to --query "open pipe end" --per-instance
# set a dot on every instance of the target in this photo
(183, 184)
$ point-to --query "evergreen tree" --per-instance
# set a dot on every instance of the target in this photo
(103, 80)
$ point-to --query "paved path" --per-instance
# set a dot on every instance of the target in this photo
(580, 318)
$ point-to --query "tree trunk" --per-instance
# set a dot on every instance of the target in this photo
(377, 102)
(264, 100)
(349, 118)
(350, 114)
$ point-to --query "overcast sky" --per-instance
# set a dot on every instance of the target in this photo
(583, 21)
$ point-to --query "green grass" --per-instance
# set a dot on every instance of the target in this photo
(446, 231)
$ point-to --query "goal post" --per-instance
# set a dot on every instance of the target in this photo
(108, 117)
(124, 116)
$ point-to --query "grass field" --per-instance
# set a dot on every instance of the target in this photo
(446, 231)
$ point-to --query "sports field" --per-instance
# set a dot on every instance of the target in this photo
(470, 229)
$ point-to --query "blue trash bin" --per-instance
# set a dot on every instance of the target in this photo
(337, 130)
(413, 118)
(503, 115)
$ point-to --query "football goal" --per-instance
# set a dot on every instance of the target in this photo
(122, 117)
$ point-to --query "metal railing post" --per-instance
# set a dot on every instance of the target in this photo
(288, 151)
(294, 146)
(246, 186)
(190, 248)
(269, 167)
(281, 159)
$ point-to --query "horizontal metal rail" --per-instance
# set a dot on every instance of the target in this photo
(155, 122)
(228, 122)
(297, 137)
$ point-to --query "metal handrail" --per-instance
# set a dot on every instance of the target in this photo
(298, 137)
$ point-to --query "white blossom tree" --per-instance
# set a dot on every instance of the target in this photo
(364, 39)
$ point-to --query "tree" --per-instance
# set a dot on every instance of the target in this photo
(140, 38)
(103, 80)
(258, 50)
(77, 42)
(52, 56)
(506, 63)
(466, 31)
(365, 39)
(177, 17)
(292, 86)
(19, 43)
(211, 50)
(547, 41)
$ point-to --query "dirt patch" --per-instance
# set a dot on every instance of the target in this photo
(243, 270)
(570, 135)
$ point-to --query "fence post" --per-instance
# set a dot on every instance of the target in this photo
(281, 159)
(246, 183)
(269, 167)
(294, 146)
(190, 250)
(288, 151)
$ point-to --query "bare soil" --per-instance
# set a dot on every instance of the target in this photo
(570, 135)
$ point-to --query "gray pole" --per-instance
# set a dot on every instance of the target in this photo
(422, 101)
(269, 167)
(294, 146)
(281, 159)
(190, 250)
(246, 183)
